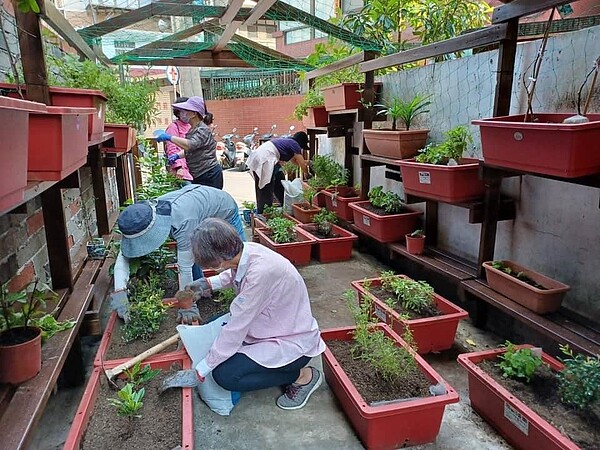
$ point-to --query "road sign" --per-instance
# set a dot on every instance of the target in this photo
(172, 75)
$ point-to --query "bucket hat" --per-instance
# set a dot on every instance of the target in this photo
(144, 226)
(195, 104)
(302, 139)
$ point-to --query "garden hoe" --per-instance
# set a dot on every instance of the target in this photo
(112, 373)
(180, 379)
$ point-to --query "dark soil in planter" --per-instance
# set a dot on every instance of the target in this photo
(382, 212)
(118, 348)
(209, 309)
(159, 427)
(170, 286)
(529, 281)
(305, 206)
(18, 336)
(372, 387)
(384, 294)
(320, 235)
(541, 395)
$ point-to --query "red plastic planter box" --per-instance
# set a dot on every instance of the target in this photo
(317, 116)
(431, 334)
(304, 215)
(58, 142)
(516, 422)
(86, 406)
(341, 96)
(125, 137)
(332, 249)
(14, 127)
(546, 146)
(392, 425)
(297, 252)
(450, 184)
(384, 229)
(339, 204)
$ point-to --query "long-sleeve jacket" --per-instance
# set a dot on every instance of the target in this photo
(180, 129)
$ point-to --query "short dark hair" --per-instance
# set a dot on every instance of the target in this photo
(215, 241)
(208, 118)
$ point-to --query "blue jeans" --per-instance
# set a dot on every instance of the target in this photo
(212, 177)
(240, 373)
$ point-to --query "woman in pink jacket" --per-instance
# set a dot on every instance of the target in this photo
(178, 128)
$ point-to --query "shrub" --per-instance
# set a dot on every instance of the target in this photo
(282, 230)
(452, 148)
(388, 201)
(579, 381)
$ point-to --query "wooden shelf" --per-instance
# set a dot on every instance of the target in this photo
(106, 138)
(501, 172)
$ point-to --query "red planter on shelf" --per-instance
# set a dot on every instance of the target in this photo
(317, 116)
(23, 361)
(415, 245)
(450, 184)
(306, 214)
(341, 96)
(332, 249)
(338, 199)
(395, 144)
(14, 127)
(393, 424)
(58, 142)
(90, 395)
(516, 422)
(125, 137)
(297, 252)
(431, 334)
(390, 228)
(546, 146)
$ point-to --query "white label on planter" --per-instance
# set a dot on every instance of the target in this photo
(424, 178)
(367, 221)
(334, 202)
(380, 313)
(517, 419)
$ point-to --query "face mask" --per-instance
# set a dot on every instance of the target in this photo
(184, 117)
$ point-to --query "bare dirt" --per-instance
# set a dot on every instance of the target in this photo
(209, 309)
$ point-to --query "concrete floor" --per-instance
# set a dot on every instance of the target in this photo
(257, 423)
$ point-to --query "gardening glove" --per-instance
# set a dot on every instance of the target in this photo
(163, 137)
(174, 157)
(120, 304)
(201, 288)
(188, 316)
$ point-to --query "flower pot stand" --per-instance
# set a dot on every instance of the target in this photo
(297, 252)
(384, 229)
(333, 249)
(124, 137)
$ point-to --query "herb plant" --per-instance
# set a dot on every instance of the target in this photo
(20, 308)
(146, 310)
(519, 363)
(416, 296)
(249, 205)
(579, 381)
(499, 265)
(417, 233)
(225, 296)
(309, 193)
(138, 375)
(327, 172)
(451, 149)
(129, 402)
(406, 112)
(324, 219)
(282, 230)
(390, 202)
(272, 212)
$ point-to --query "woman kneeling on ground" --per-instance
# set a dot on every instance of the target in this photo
(272, 334)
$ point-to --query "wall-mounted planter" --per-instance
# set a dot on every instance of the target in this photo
(304, 212)
(431, 334)
(297, 252)
(317, 116)
(396, 144)
(58, 142)
(450, 184)
(389, 228)
(332, 249)
(14, 128)
(516, 422)
(541, 301)
(125, 137)
(546, 146)
(338, 199)
(394, 424)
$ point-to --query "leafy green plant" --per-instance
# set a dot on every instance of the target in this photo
(412, 295)
(308, 194)
(138, 375)
(157, 181)
(129, 402)
(519, 363)
(249, 205)
(390, 202)
(146, 309)
(579, 381)
(324, 219)
(20, 308)
(225, 296)
(452, 148)
(311, 99)
(282, 230)
(417, 233)
(291, 169)
(327, 172)
(26, 6)
(406, 112)
(50, 326)
(273, 211)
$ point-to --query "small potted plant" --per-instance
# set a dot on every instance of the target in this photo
(394, 143)
(328, 174)
(305, 211)
(333, 243)
(415, 242)
(311, 110)
(384, 216)
(285, 238)
(249, 209)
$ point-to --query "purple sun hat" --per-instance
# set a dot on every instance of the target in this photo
(195, 104)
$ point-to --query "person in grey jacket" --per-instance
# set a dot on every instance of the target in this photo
(145, 226)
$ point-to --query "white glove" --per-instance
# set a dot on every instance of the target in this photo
(201, 288)
(120, 304)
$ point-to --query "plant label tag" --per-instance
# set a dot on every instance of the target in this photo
(424, 178)
(380, 313)
(367, 221)
(334, 202)
(517, 419)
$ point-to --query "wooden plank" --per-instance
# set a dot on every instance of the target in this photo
(489, 226)
(231, 12)
(205, 58)
(505, 73)
(117, 22)
(489, 35)
(95, 163)
(226, 36)
(258, 11)
(520, 8)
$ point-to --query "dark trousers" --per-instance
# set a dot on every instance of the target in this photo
(212, 177)
(240, 373)
(264, 196)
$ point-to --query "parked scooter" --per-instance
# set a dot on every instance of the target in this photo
(289, 133)
(227, 159)
(250, 140)
(241, 155)
(268, 136)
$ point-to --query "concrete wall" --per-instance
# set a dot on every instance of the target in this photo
(556, 228)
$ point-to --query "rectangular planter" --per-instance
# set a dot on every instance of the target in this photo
(334, 201)
(431, 334)
(546, 146)
(90, 395)
(538, 300)
(341, 96)
(392, 425)
(333, 249)
(58, 142)
(14, 127)
(304, 215)
(317, 116)
(297, 252)
(450, 184)
(384, 229)
(125, 137)
(397, 144)
(516, 422)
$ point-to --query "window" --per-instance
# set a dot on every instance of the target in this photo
(123, 47)
(295, 32)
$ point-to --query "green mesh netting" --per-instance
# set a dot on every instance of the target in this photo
(170, 50)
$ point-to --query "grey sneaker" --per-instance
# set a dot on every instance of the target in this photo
(296, 395)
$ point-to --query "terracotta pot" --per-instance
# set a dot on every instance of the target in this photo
(297, 252)
(20, 362)
(304, 212)
(393, 424)
(390, 228)
(415, 245)
(332, 249)
(450, 184)
(538, 300)
(341, 96)
(431, 334)
(569, 150)
(338, 199)
(125, 137)
(397, 144)
(316, 117)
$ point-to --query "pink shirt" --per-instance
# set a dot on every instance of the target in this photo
(179, 129)
(271, 320)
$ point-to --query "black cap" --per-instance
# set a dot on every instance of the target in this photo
(302, 139)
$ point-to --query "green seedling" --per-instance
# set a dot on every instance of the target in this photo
(138, 375)
(129, 402)
(519, 364)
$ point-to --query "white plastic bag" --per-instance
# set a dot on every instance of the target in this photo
(197, 340)
(292, 193)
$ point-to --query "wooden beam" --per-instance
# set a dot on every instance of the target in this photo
(59, 23)
(205, 58)
(258, 11)
(227, 35)
(479, 38)
(341, 64)
(520, 8)
(506, 66)
(116, 23)
(231, 12)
